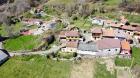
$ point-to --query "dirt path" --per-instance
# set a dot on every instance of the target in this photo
(83, 70)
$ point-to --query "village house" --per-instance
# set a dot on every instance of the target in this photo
(48, 25)
(135, 24)
(96, 34)
(108, 33)
(109, 47)
(120, 34)
(104, 47)
(87, 48)
(109, 23)
(70, 39)
(125, 48)
(30, 22)
(128, 29)
(72, 35)
(137, 34)
(71, 46)
(26, 32)
(62, 36)
(115, 26)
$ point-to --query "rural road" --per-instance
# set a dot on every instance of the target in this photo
(52, 50)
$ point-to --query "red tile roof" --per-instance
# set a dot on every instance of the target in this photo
(124, 27)
(125, 45)
(135, 24)
(96, 30)
(62, 34)
(108, 33)
(108, 43)
(137, 29)
(117, 25)
(72, 44)
(72, 33)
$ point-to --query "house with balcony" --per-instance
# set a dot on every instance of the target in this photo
(70, 39)
(96, 34)
(128, 29)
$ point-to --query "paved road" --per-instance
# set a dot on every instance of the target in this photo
(52, 50)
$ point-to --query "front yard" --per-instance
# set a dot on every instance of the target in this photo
(34, 67)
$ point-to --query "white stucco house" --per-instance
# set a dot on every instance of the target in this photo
(104, 47)
(109, 46)
(70, 47)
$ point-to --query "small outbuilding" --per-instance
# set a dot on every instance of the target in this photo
(4, 55)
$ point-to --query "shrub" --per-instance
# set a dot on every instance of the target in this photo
(66, 55)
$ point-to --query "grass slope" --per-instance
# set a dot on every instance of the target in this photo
(21, 43)
(34, 67)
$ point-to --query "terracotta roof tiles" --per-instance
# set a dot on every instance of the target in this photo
(125, 45)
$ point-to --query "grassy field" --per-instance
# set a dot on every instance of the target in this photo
(122, 62)
(34, 67)
(101, 71)
(22, 43)
(133, 18)
(136, 55)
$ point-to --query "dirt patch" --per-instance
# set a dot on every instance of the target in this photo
(123, 73)
(83, 70)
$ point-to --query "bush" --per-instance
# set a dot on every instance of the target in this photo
(66, 55)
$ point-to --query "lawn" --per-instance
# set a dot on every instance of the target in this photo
(22, 43)
(34, 67)
(122, 62)
(102, 72)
